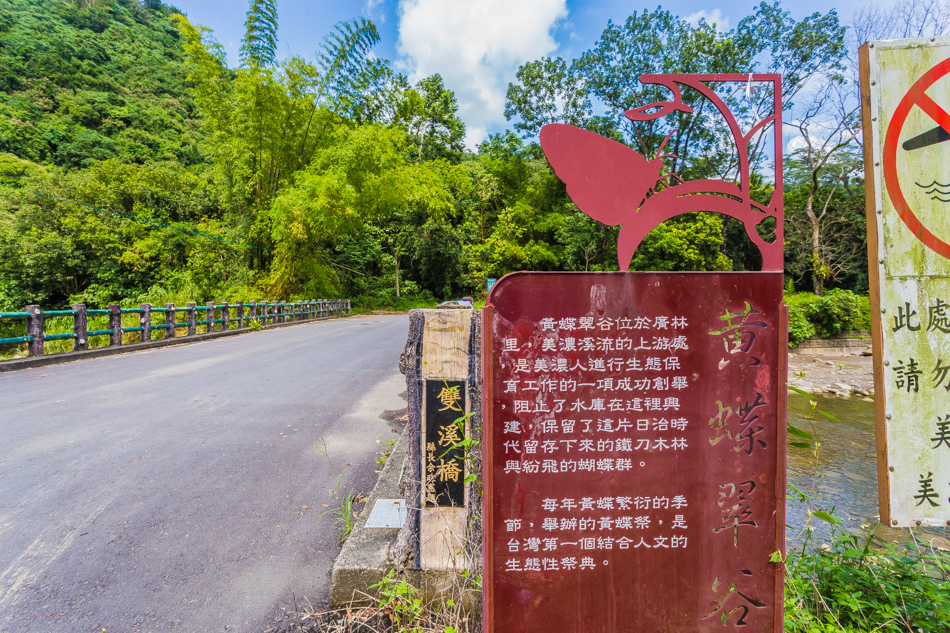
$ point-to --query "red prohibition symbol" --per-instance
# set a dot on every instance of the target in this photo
(916, 96)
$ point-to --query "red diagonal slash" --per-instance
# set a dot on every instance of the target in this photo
(934, 111)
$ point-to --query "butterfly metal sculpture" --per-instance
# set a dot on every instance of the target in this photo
(615, 185)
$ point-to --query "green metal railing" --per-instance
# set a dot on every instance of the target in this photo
(217, 317)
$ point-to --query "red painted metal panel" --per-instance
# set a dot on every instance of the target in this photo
(634, 452)
(615, 185)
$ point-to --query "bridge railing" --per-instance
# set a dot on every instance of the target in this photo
(123, 326)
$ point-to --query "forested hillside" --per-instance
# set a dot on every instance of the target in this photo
(137, 166)
(92, 81)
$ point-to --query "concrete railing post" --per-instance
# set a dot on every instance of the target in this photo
(169, 320)
(225, 316)
(115, 324)
(252, 312)
(239, 306)
(145, 320)
(210, 315)
(80, 328)
(34, 328)
(192, 318)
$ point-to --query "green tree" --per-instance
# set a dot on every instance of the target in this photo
(548, 91)
(87, 82)
(259, 46)
(361, 177)
(350, 78)
(429, 114)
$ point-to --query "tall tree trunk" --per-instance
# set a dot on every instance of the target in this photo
(817, 274)
(396, 257)
(817, 265)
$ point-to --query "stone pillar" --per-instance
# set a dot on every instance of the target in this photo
(192, 318)
(443, 353)
(209, 313)
(80, 328)
(240, 314)
(225, 316)
(169, 320)
(115, 324)
(34, 328)
(145, 320)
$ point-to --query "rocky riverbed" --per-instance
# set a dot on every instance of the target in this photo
(847, 376)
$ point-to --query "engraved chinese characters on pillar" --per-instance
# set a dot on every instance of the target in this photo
(632, 478)
(444, 433)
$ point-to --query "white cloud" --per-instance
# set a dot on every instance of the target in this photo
(712, 17)
(370, 9)
(477, 46)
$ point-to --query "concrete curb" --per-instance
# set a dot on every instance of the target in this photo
(99, 352)
(365, 559)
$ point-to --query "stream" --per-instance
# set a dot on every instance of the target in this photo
(844, 474)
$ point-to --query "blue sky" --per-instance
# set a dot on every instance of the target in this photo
(476, 45)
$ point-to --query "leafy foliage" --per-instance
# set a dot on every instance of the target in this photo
(336, 175)
(548, 91)
(259, 46)
(828, 315)
(81, 82)
(799, 327)
(846, 585)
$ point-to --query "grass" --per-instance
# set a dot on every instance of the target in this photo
(853, 583)
(386, 452)
(847, 585)
(343, 515)
(395, 605)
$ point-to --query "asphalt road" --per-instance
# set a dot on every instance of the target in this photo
(181, 489)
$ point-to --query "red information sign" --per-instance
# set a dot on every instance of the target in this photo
(634, 441)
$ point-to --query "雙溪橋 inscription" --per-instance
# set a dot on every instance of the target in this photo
(444, 462)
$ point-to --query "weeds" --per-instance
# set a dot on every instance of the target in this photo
(469, 446)
(342, 516)
(397, 606)
(849, 584)
(846, 586)
(386, 452)
(400, 601)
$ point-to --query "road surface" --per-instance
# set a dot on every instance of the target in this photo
(181, 489)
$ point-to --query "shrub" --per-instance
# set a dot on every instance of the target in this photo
(835, 311)
(826, 316)
(799, 327)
